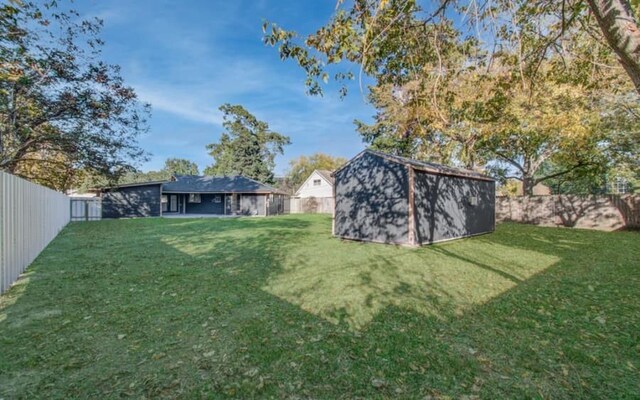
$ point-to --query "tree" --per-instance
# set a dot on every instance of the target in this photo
(443, 94)
(552, 123)
(180, 166)
(381, 35)
(618, 22)
(301, 167)
(248, 147)
(62, 109)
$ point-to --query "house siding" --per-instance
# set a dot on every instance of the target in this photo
(253, 204)
(372, 200)
(131, 201)
(443, 209)
(207, 204)
(309, 190)
(278, 204)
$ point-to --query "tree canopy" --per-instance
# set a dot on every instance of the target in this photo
(248, 146)
(62, 109)
(502, 86)
(300, 168)
(180, 166)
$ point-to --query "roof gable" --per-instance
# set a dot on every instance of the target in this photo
(421, 166)
(322, 173)
(326, 174)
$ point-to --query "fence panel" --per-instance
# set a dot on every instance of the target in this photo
(86, 208)
(30, 217)
(313, 205)
(606, 212)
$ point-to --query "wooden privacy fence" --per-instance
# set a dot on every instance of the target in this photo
(313, 205)
(607, 212)
(30, 217)
(86, 208)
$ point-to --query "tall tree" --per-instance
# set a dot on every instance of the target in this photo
(180, 166)
(248, 146)
(300, 168)
(372, 33)
(62, 109)
(618, 22)
(444, 94)
(554, 123)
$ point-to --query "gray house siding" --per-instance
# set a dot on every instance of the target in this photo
(278, 204)
(237, 195)
(372, 200)
(131, 201)
(448, 207)
(253, 204)
(207, 204)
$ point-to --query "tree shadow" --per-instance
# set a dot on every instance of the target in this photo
(258, 307)
(382, 200)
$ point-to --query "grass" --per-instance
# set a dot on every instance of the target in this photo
(276, 307)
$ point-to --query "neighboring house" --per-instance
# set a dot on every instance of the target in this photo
(220, 195)
(318, 184)
(390, 199)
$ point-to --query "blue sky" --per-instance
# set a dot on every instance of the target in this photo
(187, 58)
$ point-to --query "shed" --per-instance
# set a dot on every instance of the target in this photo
(389, 199)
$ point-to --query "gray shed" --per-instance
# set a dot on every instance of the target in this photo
(390, 199)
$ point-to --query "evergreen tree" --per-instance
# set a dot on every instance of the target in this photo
(248, 147)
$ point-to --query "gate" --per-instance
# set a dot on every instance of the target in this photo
(86, 208)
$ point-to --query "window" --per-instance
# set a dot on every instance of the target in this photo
(317, 182)
(194, 198)
(217, 199)
(165, 203)
(619, 186)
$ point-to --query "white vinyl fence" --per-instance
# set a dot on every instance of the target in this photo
(30, 217)
(312, 205)
(86, 208)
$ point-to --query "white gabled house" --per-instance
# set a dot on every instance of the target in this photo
(318, 184)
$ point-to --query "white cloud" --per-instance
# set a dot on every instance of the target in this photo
(176, 102)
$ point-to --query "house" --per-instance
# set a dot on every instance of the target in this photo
(318, 184)
(390, 199)
(219, 195)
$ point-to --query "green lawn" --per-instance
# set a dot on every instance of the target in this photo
(276, 307)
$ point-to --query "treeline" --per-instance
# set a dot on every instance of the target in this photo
(538, 91)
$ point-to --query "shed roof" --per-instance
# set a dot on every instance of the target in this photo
(216, 184)
(423, 166)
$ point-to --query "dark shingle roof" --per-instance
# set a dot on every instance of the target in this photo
(216, 184)
(426, 166)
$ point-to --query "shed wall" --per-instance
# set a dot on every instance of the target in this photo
(444, 208)
(133, 201)
(372, 200)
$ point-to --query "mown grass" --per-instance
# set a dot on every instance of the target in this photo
(276, 307)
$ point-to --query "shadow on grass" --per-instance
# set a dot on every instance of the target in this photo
(275, 307)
